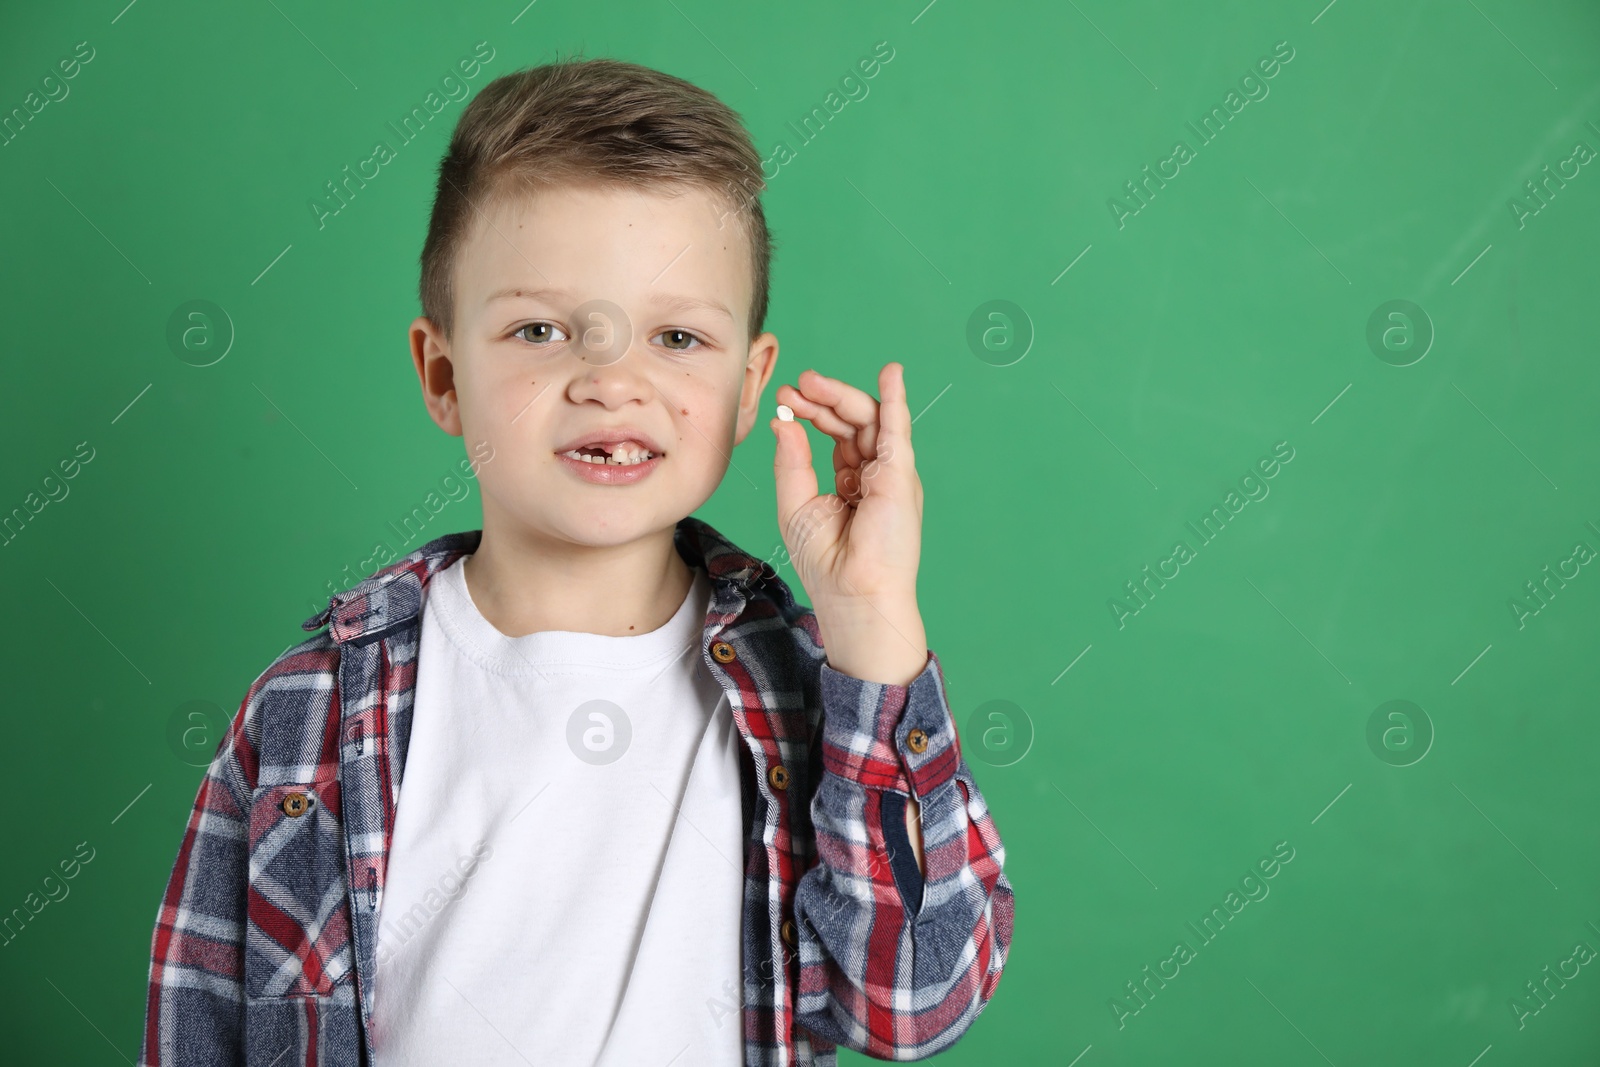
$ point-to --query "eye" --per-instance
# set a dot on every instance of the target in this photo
(680, 340)
(540, 333)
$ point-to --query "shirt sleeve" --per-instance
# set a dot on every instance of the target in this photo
(897, 963)
(195, 1007)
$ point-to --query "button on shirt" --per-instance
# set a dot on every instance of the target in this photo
(606, 929)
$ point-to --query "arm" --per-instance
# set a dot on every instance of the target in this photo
(898, 952)
(194, 1010)
(897, 962)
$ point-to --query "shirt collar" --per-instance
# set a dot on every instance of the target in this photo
(391, 598)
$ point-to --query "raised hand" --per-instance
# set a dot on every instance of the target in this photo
(856, 550)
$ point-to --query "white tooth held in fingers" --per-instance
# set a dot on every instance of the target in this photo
(785, 413)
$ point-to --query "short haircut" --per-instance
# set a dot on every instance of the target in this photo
(598, 122)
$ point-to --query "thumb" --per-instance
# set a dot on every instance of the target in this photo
(792, 471)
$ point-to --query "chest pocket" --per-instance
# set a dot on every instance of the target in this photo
(297, 933)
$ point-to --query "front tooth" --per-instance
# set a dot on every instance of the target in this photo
(621, 457)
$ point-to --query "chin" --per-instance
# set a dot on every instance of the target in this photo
(617, 524)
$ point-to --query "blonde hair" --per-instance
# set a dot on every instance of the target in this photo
(591, 121)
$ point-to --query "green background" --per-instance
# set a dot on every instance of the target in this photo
(1231, 713)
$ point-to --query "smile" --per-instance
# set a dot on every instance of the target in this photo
(623, 463)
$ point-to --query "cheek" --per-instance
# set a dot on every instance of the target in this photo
(707, 406)
(514, 401)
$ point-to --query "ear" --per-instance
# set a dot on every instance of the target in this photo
(758, 368)
(430, 354)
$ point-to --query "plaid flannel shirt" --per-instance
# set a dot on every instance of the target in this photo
(265, 944)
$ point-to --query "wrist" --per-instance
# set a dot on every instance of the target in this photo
(875, 641)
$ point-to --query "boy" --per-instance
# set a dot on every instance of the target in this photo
(588, 785)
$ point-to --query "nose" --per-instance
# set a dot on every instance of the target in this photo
(608, 367)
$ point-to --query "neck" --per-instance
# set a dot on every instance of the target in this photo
(525, 581)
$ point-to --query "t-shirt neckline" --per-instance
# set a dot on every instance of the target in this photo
(449, 599)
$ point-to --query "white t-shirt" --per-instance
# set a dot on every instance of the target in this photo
(564, 884)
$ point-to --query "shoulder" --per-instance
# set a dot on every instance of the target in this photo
(287, 725)
(768, 601)
(281, 720)
(774, 636)
(775, 596)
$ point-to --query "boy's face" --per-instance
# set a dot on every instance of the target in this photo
(587, 314)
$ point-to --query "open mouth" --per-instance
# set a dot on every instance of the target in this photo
(622, 454)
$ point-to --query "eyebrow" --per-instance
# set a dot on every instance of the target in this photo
(689, 303)
(514, 292)
(671, 303)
